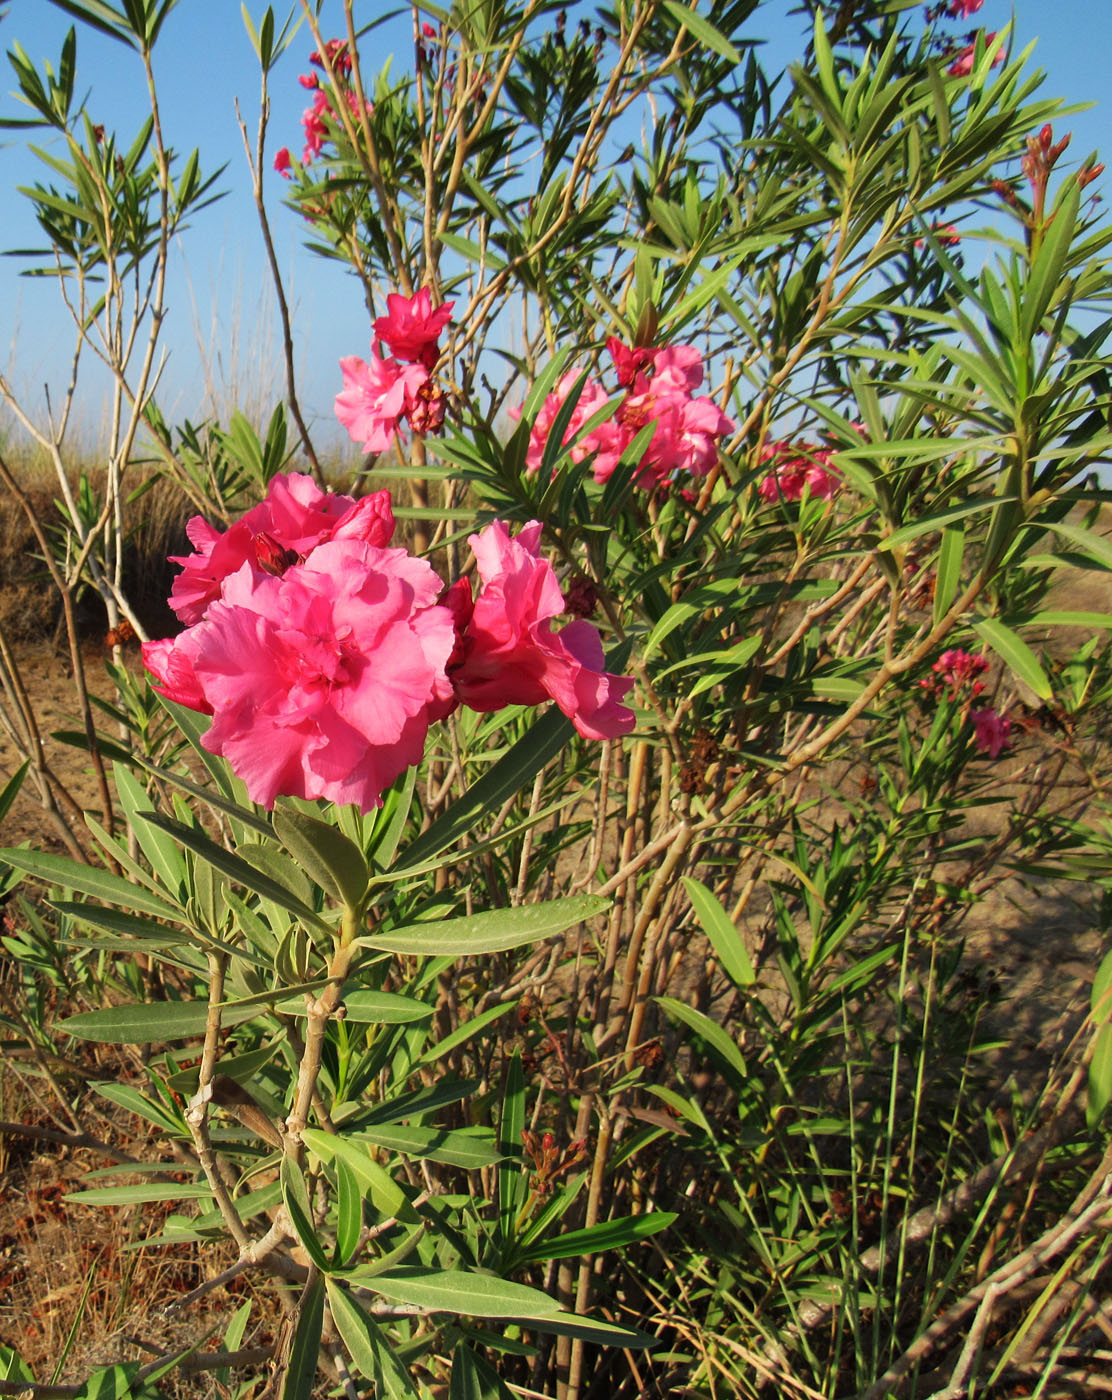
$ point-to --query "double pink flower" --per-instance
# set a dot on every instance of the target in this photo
(660, 386)
(323, 654)
(796, 468)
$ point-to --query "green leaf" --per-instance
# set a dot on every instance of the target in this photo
(473, 1379)
(92, 881)
(511, 1179)
(721, 933)
(1100, 1074)
(385, 1195)
(718, 1041)
(326, 855)
(551, 733)
(142, 1194)
(368, 1346)
(600, 1334)
(238, 870)
(941, 519)
(463, 1033)
(612, 1234)
(473, 1295)
(384, 1008)
(471, 1148)
(302, 1368)
(1015, 653)
(491, 932)
(1094, 545)
(948, 576)
(703, 30)
(148, 1022)
(349, 1212)
(296, 1199)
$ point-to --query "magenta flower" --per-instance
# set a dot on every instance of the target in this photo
(295, 517)
(375, 397)
(411, 327)
(511, 656)
(962, 9)
(990, 731)
(282, 162)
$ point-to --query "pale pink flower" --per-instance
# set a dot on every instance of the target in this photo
(990, 731)
(296, 515)
(606, 439)
(321, 682)
(511, 656)
(411, 327)
(962, 65)
(375, 397)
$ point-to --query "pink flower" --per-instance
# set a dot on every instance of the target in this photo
(320, 682)
(313, 125)
(629, 361)
(428, 31)
(295, 517)
(283, 161)
(308, 80)
(339, 55)
(411, 328)
(796, 469)
(946, 234)
(170, 662)
(962, 9)
(962, 65)
(606, 439)
(957, 669)
(375, 398)
(990, 731)
(512, 656)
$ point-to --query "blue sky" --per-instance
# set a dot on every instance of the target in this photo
(221, 325)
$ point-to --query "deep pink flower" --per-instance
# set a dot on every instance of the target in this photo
(428, 30)
(321, 682)
(962, 9)
(957, 668)
(339, 55)
(511, 654)
(990, 731)
(282, 162)
(411, 327)
(962, 65)
(308, 80)
(798, 468)
(629, 361)
(375, 397)
(296, 516)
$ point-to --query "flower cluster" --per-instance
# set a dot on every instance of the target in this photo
(659, 389)
(315, 118)
(954, 671)
(378, 394)
(796, 468)
(323, 654)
